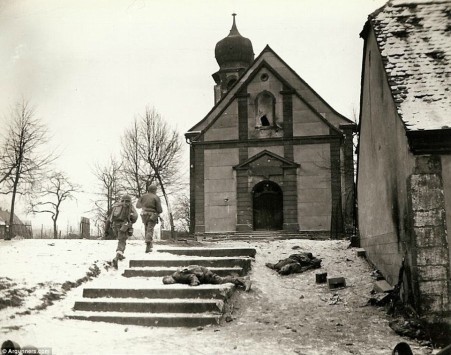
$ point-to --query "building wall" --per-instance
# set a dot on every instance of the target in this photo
(220, 189)
(430, 253)
(255, 87)
(276, 149)
(402, 198)
(304, 90)
(347, 180)
(384, 164)
(222, 197)
(306, 122)
(197, 206)
(226, 127)
(446, 175)
(314, 186)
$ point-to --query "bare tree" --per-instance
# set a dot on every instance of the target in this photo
(108, 176)
(23, 158)
(162, 151)
(135, 174)
(49, 197)
(157, 150)
(182, 213)
(6, 165)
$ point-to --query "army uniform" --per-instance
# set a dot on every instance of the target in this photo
(151, 208)
(122, 217)
(296, 263)
(195, 275)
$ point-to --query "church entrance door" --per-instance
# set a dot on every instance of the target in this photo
(268, 206)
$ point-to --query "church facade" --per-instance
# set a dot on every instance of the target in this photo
(271, 154)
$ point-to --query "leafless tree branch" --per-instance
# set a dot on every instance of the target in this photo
(56, 189)
(151, 152)
(24, 159)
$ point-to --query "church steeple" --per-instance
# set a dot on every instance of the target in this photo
(234, 30)
(234, 55)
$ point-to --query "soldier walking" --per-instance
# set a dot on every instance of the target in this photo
(151, 208)
(122, 217)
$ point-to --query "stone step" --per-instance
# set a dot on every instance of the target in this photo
(154, 319)
(192, 305)
(262, 235)
(165, 291)
(211, 252)
(243, 262)
(164, 271)
(146, 301)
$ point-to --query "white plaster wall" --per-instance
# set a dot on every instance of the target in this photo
(220, 189)
(276, 149)
(306, 122)
(226, 126)
(304, 89)
(314, 186)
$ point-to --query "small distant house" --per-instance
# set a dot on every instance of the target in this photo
(271, 154)
(20, 229)
(404, 150)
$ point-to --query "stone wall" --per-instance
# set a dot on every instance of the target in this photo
(430, 259)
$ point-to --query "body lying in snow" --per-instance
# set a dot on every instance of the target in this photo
(296, 263)
(194, 275)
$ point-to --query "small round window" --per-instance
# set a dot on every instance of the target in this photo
(264, 77)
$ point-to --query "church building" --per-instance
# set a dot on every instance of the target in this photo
(271, 154)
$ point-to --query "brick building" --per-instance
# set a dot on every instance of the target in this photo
(271, 154)
(404, 155)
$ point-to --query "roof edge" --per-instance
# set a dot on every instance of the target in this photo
(434, 141)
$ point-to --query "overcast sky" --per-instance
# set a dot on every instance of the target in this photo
(90, 66)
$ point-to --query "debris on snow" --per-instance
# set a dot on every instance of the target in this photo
(336, 282)
(321, 277)
(376, 275)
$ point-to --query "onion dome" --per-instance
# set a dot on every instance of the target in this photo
(234, 50)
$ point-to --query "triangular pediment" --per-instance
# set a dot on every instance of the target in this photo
(266, 159)
(290, 81)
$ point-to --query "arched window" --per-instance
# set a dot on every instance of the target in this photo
(265, 110)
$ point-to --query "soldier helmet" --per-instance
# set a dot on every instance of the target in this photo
(152, 188)
(167, 280)
(126, 198)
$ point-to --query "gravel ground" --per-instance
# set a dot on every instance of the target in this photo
(280, 315)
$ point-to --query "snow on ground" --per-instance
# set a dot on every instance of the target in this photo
(280, 315)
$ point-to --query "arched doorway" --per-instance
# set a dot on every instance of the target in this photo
(267, 200)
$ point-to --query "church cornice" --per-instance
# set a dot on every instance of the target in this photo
(234, 143)
(286, 163)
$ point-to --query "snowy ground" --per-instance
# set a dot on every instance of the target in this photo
(41, 279)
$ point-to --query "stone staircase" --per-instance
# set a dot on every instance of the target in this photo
(142, 299)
